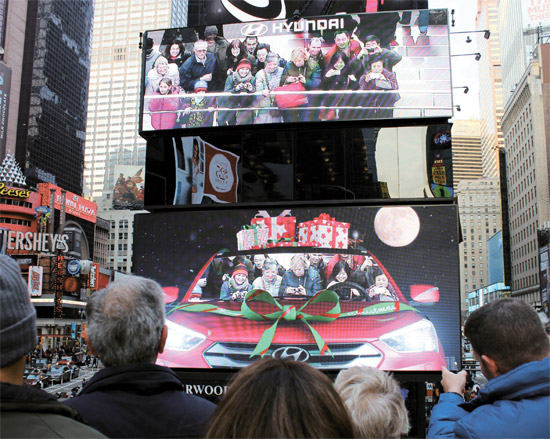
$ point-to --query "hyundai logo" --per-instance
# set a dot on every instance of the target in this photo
(254, 29)
(291, 352)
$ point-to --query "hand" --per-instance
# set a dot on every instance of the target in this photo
(367, 263)
(207, 77)
(202, 282)
(187, 110)
(355, 292)
(229, 71)
(301, 290)
(453, 382)
(352, 78)
(291, 79)
(210, 109)
(302, 79)
(265, 92)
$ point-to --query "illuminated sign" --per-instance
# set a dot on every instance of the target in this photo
(13, 192)
(93, 277)
(36, 274)
(74, 205)
(39, 242)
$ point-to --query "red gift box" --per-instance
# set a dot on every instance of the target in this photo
(325, 232)
(280, 227)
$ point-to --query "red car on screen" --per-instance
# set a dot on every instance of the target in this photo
(363, 319)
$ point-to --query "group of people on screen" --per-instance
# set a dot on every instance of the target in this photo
(352, 277)
(236, 82)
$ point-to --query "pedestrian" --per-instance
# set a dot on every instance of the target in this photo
(374, 401)
(276, 398)
(26, 412)
(132, 396)
(513, 350)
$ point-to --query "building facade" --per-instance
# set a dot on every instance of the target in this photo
(480, 218)
(50, 109)
(490, 86)
(526, 124)
(113, 107)
(467, 156)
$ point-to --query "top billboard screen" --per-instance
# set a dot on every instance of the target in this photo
(390, 65)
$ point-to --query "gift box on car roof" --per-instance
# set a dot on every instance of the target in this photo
(279, 227)
(324, 231)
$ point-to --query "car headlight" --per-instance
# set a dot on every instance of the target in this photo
(181, 338)
(418, 337)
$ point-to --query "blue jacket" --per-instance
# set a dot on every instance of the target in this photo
(192, 70)
(141, 400)
(513, 405)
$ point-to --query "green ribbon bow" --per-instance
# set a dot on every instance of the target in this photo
(292, 313)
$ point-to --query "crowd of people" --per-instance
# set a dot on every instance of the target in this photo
(352, 277)
(279, 398)
(243, 81)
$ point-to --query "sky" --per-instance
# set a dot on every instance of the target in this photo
(464, 68)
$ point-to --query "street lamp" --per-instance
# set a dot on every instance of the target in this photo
(465, 87)
(486, 34)
(476, 55)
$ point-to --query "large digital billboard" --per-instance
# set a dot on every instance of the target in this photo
(332, 286)
(333, 68)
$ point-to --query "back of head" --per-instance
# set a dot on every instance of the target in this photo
(374, 401)
(125, 321)
(509, 331)
(280, 399)
(17, 315)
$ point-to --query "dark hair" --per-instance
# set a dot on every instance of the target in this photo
(372, 38)
(251, 36)
(278, 398)
(508, 331)
(341, 31)
(339, 266)
(167, 81)
(166, 52)
(240, 45)
(263, 46)
(338, 56)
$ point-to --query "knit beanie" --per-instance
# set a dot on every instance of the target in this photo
(17, 315)
(210, 30)
(201, 85)
(240, 269)
(244, 63)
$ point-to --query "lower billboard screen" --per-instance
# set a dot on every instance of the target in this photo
(331, 286)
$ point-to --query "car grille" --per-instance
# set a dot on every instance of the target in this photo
(227, 354)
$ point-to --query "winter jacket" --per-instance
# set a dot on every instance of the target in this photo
(311, 281)
(192, 70)
(164, 121)
(153, 78)
(513, 405)
(310, 70)
(141, 400)
(355, 48)
(32, 413)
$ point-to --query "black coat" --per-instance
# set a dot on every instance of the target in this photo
(141, 400)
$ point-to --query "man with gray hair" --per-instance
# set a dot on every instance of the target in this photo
(133, 397)
(26, 412)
